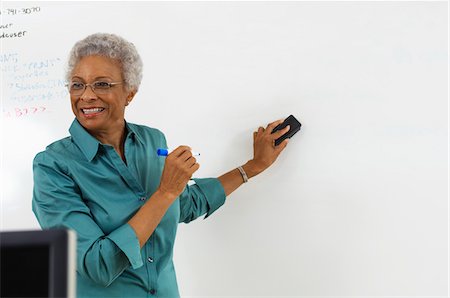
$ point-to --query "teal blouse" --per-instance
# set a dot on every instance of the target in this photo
(84, 185)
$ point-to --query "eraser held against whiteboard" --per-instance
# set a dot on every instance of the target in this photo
(294, 124)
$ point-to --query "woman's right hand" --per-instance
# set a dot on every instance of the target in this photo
(178, 169)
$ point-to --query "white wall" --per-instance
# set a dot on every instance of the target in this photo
(356, 205)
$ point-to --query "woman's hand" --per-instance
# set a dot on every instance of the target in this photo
(264, 150)
(178, 169)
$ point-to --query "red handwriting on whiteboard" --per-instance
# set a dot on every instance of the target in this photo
(24, 111)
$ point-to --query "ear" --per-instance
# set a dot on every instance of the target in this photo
(130, 96)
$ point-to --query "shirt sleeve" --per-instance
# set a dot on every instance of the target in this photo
(203, 197)
(57, 203)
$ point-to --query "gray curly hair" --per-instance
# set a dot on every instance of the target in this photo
(111, 46)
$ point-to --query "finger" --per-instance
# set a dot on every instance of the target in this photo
(191, 161)
(254, 136)
(283, 145)
(194, 168)
(272, 125)
(260, 129)
(180, 150)
(281, 132)
(185, 156)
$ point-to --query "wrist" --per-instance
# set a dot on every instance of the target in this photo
(164, 195)
(251, 169)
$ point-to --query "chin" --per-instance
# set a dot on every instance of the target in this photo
(89, 124)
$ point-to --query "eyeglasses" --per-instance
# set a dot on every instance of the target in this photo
(99, 87)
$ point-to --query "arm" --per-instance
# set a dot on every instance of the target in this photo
(178, 169)
(265, 154)
(206, 196)
(57, 202)
(145, 221)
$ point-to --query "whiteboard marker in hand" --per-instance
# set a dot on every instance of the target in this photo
(165, 152)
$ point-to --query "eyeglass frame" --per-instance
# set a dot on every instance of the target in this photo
(110, 84)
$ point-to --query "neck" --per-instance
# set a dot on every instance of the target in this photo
(114, 136)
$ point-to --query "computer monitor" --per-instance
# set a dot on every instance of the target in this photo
(38, 263)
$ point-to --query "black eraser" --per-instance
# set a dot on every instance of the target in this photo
(294, 127)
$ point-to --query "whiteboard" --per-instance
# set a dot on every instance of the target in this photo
(357, 204)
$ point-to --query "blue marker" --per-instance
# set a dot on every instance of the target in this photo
(165, 152)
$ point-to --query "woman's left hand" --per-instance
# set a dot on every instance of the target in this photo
(264, 150)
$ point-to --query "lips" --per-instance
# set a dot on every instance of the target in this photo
(92, 111)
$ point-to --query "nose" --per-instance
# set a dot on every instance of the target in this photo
(88, 94)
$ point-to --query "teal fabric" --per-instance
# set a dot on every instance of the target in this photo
(84, 185)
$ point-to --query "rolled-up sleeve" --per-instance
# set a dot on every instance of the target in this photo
(57, 203)
(203, 197)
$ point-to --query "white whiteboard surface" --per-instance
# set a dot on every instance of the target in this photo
(358, 202)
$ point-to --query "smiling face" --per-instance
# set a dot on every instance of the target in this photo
(104, 113)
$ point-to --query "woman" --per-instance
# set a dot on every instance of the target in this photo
(106, 182)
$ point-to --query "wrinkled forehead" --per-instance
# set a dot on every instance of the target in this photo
(95, 66)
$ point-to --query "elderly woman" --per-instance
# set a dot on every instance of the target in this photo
(106, 182)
